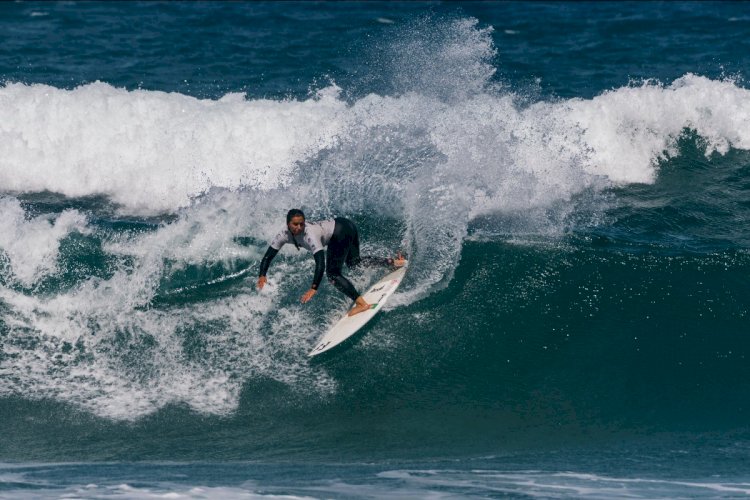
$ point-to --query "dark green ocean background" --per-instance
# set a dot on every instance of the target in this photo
(570, 181)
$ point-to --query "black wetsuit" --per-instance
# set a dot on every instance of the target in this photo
(341, 239)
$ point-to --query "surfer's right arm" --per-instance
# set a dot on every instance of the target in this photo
(264, 265)
(279, 241)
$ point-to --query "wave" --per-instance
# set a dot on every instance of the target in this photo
(433, 163)
(154, 152)
(415, 166)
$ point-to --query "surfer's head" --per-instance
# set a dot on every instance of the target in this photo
(295, 221)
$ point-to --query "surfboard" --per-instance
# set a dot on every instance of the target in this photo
(347, 326)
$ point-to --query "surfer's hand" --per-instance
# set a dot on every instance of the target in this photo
(399, 261)
(262, 282)
(308, 295)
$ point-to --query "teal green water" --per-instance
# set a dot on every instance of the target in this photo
(572, 195)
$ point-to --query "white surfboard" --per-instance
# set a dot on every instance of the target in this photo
(349, 325)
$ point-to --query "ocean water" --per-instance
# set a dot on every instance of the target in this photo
(570, 181)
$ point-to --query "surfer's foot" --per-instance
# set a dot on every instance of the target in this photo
(359, 306)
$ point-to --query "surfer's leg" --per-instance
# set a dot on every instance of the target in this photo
(353, 258)
(338, 248)
(343, 241)
(336, 255)
(344, 286)
(360, 305)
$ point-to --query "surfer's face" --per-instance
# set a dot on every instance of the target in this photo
(296, 225)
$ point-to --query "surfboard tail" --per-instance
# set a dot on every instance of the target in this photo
(376, 295)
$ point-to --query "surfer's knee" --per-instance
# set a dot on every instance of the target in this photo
(336, 279)
(344, 286)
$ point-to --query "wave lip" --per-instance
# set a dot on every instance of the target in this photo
(152, 151)
(627, 131)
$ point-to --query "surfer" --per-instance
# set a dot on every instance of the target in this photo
(340, 238)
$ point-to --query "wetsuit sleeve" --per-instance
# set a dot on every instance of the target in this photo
(266, 262)
(320, 265)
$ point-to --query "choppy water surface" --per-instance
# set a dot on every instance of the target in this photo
(568, 180)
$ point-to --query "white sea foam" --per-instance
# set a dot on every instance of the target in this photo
(31, 244)
(157, 491)
(123, 361)
(541, 484)
(102, 347)
(152, 151)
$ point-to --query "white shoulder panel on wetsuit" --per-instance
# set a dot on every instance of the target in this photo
(315, 237)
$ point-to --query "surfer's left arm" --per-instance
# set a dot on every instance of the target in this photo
(371, 261)
(320, 265)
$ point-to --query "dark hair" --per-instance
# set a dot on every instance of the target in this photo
(293, 213)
